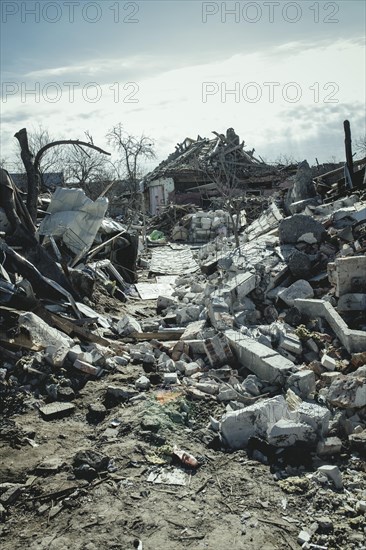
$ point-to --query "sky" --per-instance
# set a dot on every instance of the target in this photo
(284, 75)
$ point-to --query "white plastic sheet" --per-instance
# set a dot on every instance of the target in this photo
(74, 217)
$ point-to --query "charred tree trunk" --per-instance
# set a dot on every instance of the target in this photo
(32, 174)
(7, 200)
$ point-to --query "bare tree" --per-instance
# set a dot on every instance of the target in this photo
(133, 151)
(360, 146)
(32, 164)
(88, 169)
(53, 161)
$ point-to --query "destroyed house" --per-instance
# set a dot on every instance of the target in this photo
(193, 173)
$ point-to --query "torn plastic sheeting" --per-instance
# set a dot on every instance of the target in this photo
(74, 217)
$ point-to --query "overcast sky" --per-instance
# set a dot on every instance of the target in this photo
(284, 75)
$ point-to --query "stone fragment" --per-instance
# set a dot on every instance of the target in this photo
(286, 433)
(333, 473)
(127, 325)
(302, 383)
(328, 362)
(87, 368)
(329, 446)
(121, 392)
(218, 351)
(56, 410)
(170, 378)
(238, 427)
(301, 289)
(193, 330)
(290, 229)
(191, 368)
(299, 264)
(226, 394)
(97, 411)
(143, 383)
(358, 442)
(348, 391)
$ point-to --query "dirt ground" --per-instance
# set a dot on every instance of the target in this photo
(229, 501)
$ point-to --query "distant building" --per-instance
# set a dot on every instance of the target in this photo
(189, 175)
(51, 180)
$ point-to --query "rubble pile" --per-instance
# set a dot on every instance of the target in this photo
(259, 347)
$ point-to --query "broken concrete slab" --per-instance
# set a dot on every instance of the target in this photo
(237, 287)
(352, 340)
(286, 433)
(128, 325)
(348, 391)
(267, 364)
(299, 289)
(239, 426)
(302, 383)
(333, 473)
(352, 302)
(266, 222)
(193, 330)
(348, 275)
(218, 351)
(329, 446)
(292, 228)
(87, 368)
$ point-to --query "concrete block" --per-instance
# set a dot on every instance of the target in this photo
(348, 275)
(226, 394)
(333, 473)
(218, 313)
(218, 351)
(252, 385)
(329, 446)
(352, 340)
(299, 289)
(267, 364)
(170, 378)
(196, 346)
(211, 387)
(127, 325)
(291, 343)
(316, 416)
(302, 383)
(348, 391)
(193, 330)
(186, 315)
(191, 368)
(352, 302)
(239, 426)
(87, 368)
(286, 433)
(328, 362)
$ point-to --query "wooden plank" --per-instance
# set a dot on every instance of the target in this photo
(163, 336)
